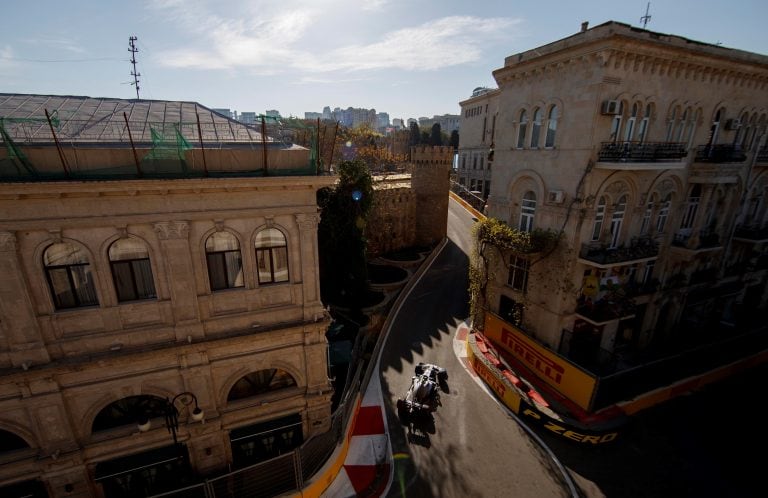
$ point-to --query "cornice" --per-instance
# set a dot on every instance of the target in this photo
(665, 62)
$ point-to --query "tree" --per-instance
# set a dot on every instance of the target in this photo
(436, 138)
(454, 140)
(344, 211)
(424, 137)
(415, 137)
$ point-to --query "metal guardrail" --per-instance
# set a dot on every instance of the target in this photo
(641, 152)
(291, 471)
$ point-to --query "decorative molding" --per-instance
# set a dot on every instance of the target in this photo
(269, 221)
(7, 241)
(307, 221)
(55, 235)
(219, 224)
(172, 230)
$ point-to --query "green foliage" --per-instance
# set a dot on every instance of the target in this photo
(493, 240)
(415, 134)
(454, 140)
(345, 209)
(436, 137)
(494, 232)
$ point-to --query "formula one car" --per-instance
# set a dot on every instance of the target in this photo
(423, 396)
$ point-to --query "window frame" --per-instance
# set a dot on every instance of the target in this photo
(131, 265)
(223, 264)
(71, 278)
(519, 267)
(271, 252)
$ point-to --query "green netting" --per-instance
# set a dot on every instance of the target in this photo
(15, 160)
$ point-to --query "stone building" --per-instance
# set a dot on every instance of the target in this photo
(411, 209)
(647, 152)
(157, 259)
(476, 141)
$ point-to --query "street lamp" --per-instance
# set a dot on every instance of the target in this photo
(171, 414)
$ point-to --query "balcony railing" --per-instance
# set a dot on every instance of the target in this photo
(639, 248)
(751, 232)
(706, 239)
(720, 153)
(613, 306)
(641, 152)
(762, 154)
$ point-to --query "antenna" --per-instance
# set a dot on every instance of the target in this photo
(647, 16)
(132, 49)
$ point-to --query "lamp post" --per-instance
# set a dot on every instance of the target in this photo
(171, 414)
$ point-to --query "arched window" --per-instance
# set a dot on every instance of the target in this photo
(129, 411)
(69, 276)
(11, 442)
(742, 130)
(646, 224)
(629, 128)
(616, 123)
(692, 127)
(271, 256)
(597, 227)
(671, 125)
(642, 132)
(617, 219)
(527, 211)
(692, 207)
(687, 113)
(263, 381)
(551, 127)
(714, 129)
(521, 129)
(536, 128)
(131, 271)
(225, 263)
(661, 218)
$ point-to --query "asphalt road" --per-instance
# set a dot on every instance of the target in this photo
(707, 444)
(473, 448)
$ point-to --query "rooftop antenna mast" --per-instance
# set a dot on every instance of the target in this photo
(132, 49)
(647, 17)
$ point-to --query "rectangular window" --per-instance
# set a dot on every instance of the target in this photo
(598, 226)
(518, 273)
(690, 212)
(646, 218)
(648, 273)
(225, 269)
(661, 221)
(133, 280)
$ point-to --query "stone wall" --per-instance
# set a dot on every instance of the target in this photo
(411, 210)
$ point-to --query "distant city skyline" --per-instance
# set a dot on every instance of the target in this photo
(409, 59)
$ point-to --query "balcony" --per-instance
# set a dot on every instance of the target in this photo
(641, 155)
(751, 233)
(762, 155)
(701, 241)
(720, 153)
(640, 249)
(615, 305)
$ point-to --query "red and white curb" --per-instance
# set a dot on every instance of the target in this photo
(368, 466)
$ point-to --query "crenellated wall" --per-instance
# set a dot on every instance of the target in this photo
(411, 210)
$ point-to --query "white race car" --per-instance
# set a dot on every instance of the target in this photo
(423, 396)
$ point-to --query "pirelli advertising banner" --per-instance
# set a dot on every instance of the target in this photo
(570, 381)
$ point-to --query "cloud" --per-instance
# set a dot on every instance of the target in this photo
(57, 43)
(265, 39)
(449, 41)
(6, 58)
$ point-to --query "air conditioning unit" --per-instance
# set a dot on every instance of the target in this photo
(611, 107)
(555, 196)
(733, 124)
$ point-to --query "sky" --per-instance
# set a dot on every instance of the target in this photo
(409, 58)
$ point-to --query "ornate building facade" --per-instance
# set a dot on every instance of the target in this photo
(646, 153)
(160, 324)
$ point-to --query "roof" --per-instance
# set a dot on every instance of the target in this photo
(103, 120)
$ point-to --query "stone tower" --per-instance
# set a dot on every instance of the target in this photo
(430, 183)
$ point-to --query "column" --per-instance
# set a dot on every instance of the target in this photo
(308, 253)
(25, 342)
(180, 271)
